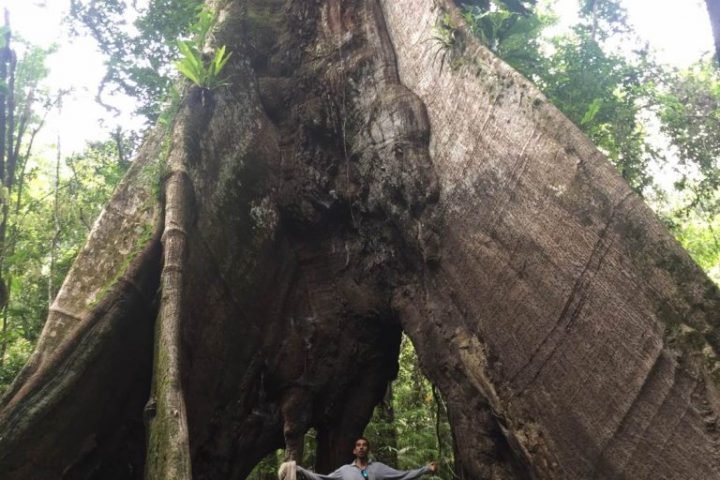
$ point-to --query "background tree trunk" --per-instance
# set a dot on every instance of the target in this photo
(345, 187)
(713, 7)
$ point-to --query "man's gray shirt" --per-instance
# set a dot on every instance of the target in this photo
(375, 471)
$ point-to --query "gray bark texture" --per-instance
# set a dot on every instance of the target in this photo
(253, 273)
(713, 8)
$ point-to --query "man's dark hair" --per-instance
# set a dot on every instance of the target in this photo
(362, 438)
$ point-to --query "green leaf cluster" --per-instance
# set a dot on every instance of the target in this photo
(192, 66)
(511, 33)
(449, 43)
(700, 237)
(689, 109)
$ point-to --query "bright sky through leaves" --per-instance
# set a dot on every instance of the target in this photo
(678, 32)
(77, 65)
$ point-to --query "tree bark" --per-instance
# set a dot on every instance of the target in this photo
(345, 187)
(713, 8)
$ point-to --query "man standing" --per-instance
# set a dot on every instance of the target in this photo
(364, 469)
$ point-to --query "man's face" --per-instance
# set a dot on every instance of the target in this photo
(361, 449)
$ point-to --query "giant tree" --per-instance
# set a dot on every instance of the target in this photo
(253, 272)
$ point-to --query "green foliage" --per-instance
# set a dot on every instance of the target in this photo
(421, 427)
(201, 27)
(689, 109)
(169, 108)
(610, 94)
(603, 19)
(21, 319)
(446, 32)
(139, 58)
(695, 226)
(512, 35)
(700, 237)
(268, 467)
(603, 94)
(448, 41)
(517, 6)
(17, 354)
(192, 64)
(194, 68)
(31, 71)
(416, 433)
(93, 177)
(85, 187)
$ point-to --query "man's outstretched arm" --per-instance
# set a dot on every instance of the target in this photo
(308, 475)
(388, 473)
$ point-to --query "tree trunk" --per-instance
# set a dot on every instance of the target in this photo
(713, 8)
(343, 188)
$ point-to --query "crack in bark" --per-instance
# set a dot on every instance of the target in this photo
(603, 465)
(572, 308)
(513, 176)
